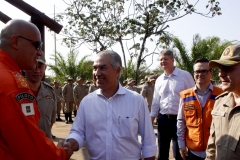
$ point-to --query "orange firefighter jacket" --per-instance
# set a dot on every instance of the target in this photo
(198, 119)
(20, 137)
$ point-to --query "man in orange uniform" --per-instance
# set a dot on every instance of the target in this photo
(20, 138)
(194, 116)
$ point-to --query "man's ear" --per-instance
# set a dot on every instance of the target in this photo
(118, 70)
(14, 42)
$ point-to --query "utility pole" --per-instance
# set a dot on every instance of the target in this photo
(55, 45)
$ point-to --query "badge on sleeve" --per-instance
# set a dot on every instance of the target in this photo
(189, 107)
(24, 95)
(28, 109)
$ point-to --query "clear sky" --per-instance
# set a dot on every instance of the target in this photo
(226, 26)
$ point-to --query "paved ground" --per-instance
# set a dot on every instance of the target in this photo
(61, 130)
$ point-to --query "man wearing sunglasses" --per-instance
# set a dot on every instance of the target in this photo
(20, 137)
(194, 114)
(224, 142)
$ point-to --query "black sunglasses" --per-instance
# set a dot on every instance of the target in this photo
(202, 71)
(37, 44)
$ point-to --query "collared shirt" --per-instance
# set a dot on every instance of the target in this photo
(224, 142)
(47, 105)
(181, 123)
(167, 91)
(111, 126)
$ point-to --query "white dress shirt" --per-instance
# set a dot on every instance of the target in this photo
(167, 91)
(111, 126)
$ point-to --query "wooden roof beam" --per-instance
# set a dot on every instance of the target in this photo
(31, 11)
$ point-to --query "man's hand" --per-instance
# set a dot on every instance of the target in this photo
(184, 153)
(67, 147)
(74, 144)
(153, 118)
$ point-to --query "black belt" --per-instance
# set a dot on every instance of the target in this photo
(170, 116)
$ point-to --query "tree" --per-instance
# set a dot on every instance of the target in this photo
(210, 47)
(71, 67)
(101, 24)
(131, 71)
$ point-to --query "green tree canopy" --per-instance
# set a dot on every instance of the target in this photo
(103, 24)
(70, 67)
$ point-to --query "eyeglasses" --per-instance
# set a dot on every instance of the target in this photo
(202, 71)
(37, 44)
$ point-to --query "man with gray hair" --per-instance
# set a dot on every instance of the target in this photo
(111, 118)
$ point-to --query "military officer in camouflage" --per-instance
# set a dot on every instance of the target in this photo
(45, 96)
(69, 100)
(58, 93)
(92, 87)
(79, 91)
(224, 142)
(147, 91)
(131, 85)
(140, 86)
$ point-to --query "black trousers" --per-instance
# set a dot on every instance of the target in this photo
(192, 156)
(167, 131)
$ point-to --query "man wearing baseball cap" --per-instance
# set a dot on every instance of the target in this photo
(223, 141)
(45, 96)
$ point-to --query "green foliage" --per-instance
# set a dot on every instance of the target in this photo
(210, 47)
(101, 24)
(70, 67)
(130, 70)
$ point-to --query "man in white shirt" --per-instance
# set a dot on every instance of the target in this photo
(166, 102)
(111, 118)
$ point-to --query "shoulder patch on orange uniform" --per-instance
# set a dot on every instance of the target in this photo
(25, 95)
(28, 109)
(20, 80)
